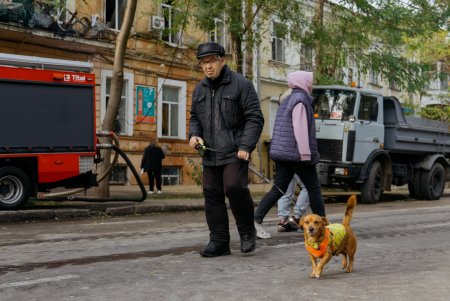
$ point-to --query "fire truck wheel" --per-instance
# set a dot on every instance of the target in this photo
(15, 188)
(372, 188)
(433, 182)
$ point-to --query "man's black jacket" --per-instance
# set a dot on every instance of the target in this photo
(227, 116)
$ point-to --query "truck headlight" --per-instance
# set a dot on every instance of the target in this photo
(342, 171)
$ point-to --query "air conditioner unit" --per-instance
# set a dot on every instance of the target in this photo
(156, 23)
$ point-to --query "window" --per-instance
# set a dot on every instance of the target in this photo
(368, 108)
(170, 176)
(124, 122)
(443, 81)
(218, 33)
(118, 174)
(114, 12)
(171, 31)
(350, 77)
(373, 77)
(333, 103)
(279, 31)
(393, 85)
(171, 109)
(306, 58)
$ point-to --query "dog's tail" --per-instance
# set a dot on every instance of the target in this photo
(351, 203)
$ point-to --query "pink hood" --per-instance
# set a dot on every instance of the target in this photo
(301, 79)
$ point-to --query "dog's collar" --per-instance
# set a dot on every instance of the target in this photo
(316, 249)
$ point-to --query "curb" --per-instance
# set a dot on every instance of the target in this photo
(96, 210)
(42, 214)
(78, 210)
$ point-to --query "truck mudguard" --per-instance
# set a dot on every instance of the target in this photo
(385, 160)
(429, 161)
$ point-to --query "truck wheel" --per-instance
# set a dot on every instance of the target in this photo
(433, 182)
(412, 190)
(373, 186)
(15, 188)
(415, 187)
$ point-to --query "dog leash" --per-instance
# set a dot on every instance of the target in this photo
(201, 148)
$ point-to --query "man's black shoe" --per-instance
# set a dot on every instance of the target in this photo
(215, 248)
(248, 241)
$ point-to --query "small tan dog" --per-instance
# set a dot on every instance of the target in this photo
(323, 240)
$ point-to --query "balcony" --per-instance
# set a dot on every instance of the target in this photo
(52, 27)
(437, 92)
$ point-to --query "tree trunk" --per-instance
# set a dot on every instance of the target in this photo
(318, 25)
(116, 89)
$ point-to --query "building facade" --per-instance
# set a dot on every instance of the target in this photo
(160, 69)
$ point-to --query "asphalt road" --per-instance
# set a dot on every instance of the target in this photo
(403, 254)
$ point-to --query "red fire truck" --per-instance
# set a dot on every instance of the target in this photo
(47, 127)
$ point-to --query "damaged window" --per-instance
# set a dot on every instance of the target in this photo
(171, 32)
(114, 13)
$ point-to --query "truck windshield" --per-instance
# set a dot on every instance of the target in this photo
(333, 103)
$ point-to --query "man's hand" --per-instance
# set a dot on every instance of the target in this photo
(142, 171)
(195, 140)
(243, 155)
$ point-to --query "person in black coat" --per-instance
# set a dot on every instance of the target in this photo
(152, 164)
(226, 122)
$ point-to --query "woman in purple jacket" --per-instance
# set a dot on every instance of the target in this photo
(294, 146)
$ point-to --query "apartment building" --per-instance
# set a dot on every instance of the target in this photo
(159, 76)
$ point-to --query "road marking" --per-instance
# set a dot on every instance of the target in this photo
(37, 281)
(433, 225)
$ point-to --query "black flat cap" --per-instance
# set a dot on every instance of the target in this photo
(210, 48)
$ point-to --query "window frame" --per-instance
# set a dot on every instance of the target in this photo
(129, 98)
(306, 58)
(168, 26)
(166, 177)
(182, 94)
(373, 77)
(368, 108)
(274, 48)
(393, 85)
(213, 34)
(116, 172)
(117, 22)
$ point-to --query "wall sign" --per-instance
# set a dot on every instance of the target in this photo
(145, 104)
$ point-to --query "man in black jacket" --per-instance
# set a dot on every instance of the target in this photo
(226, 122)
(152, 164)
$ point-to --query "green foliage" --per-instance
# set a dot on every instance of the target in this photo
(248, 20)
(196, 173)
(430, 48)
(367, 34)
(436, 113)
(371, 35)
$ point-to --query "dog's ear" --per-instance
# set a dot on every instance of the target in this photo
(302, 221)
(325, 221)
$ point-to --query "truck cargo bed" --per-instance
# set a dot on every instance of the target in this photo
(410, 134)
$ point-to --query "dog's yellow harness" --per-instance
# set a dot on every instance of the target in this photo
(334, 231)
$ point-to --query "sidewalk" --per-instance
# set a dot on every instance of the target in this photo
(173, 199)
